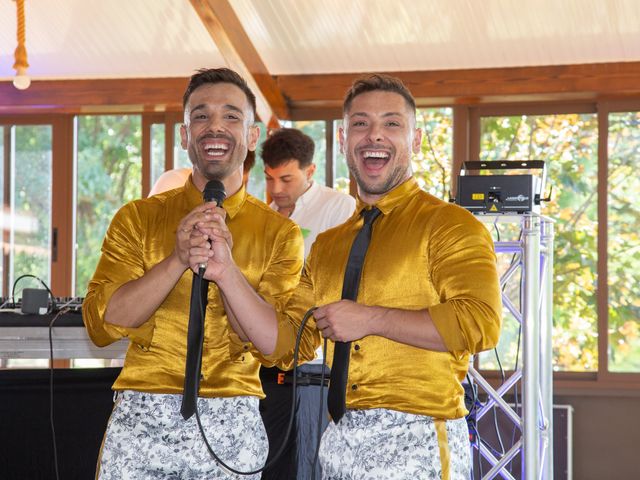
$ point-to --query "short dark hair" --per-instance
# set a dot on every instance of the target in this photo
(218, 75)
(286, 144)
(375, 82)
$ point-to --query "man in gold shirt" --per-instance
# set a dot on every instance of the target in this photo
(429, 298)
(141, 289)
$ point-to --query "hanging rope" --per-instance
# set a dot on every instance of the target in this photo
(21, 52)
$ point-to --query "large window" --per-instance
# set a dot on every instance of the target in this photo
(26, 214)
(568, 144)
(624, 242)
(109, 174)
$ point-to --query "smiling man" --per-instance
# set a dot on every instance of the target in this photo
(141, 290)
(428, 298)
(288, 167)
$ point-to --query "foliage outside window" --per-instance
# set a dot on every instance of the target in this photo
(28, 218)
(432, 166)
(157, 152)
(340, 169)
(109, 174)
(624, 242)
(568, 145)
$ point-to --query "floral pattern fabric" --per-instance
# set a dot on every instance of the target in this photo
(147, 439)
(382, 444)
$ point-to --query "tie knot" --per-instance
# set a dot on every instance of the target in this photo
(370, 215)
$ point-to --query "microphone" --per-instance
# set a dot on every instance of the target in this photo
(213, 192)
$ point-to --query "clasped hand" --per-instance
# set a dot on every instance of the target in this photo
(203, 238)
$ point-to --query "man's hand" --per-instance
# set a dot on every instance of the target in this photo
(344, 321)
(210, 244)
(200, 216)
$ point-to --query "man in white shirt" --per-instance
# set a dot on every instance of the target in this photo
(288, 166)
(289, 169)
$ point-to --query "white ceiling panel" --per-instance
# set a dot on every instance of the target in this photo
(331, 36)
(107, 39)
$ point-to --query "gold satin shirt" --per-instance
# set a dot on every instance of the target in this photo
(424, 253)
(267, 247)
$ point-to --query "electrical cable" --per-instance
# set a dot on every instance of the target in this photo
(52, 308)
(495, 413)
(475, 402)
(321, 411)
(283, 445)
(51, 369)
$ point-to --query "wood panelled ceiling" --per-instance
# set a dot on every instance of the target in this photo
(301, 55)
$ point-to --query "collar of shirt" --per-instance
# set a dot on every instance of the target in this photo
(232, 204)
(394, 198)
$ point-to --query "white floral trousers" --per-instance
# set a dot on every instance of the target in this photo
(382, 444)
(147, 439)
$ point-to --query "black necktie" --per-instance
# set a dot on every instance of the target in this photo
(195, 337)
(336, 399)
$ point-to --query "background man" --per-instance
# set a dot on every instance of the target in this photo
(141, 290)
(288, 166)
(428, 298)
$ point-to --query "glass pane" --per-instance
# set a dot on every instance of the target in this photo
(30, 206)
(109, 174)
(432, 166)
(256, 184)
(624, 242)
(568, 144)
(180, 155)
(316, 130)
(157, 152)
(341, 179)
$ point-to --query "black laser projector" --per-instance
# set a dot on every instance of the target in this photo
(501, 186)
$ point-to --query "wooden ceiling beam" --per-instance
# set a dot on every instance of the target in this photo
(234, 44)
(79, 96)
(320, 96)
(477, 85)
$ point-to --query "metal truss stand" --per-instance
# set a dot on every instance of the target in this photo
(534, 254)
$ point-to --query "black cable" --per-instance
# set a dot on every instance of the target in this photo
(495, 414)
(321, 411)
(474, 406)
(53, 430)
(52, 308)
(283, 445)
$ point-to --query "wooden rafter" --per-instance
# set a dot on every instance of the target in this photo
(320, 96)
(235, 46)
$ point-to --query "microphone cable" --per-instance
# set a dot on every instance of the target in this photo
(320, 411)
(51, 369)
(283, 445)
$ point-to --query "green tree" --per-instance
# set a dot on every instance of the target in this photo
(31, 203)
(109, 175)
(568, 145)
(624, 242)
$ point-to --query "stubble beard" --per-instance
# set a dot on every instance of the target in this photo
(394, 178)
(213, 170)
